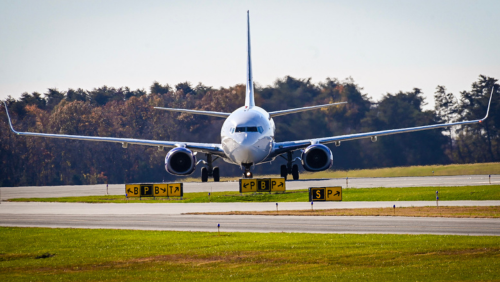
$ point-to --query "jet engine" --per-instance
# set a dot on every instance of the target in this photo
(180, 161)
(317, 158)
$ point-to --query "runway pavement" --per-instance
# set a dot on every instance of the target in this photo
(302, 224)
(170, 217)
(8, 209)
(119, 189)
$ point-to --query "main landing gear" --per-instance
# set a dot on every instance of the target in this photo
(289, 168)
(210, 170)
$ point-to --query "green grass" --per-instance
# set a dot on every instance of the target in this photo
(128, 255)
(485, 192)
(439, 170)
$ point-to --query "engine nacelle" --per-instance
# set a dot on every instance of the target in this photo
(317, 158)
(180, 161)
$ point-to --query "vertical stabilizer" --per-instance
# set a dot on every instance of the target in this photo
(249, 97)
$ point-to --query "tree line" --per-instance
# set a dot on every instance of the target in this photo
(122, 112)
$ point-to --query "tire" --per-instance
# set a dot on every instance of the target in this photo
(295, 172)
(216, 174)
(284, 171)
(204, 174)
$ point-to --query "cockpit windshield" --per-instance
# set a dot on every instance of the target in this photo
(248, 129)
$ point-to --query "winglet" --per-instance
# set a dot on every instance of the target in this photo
(8, 116)
(489, 104)
(249, 97)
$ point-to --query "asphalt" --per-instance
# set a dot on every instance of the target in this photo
(173, 216)
(298, 224)
(140, 216)
(119, 189)
(10, 209)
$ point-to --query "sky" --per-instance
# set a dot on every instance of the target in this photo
(384, 46)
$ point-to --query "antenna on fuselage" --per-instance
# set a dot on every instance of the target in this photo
(249, 97)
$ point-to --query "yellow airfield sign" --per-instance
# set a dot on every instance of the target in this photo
(175, 190)
(133, 190)
(248, 185)
(154, 190)
(160, 190)
(325, 193)
(278, 185)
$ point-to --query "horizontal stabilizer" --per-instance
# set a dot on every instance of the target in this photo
(298, 110)
(196, 112)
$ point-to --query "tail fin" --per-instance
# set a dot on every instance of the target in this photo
(249, 97)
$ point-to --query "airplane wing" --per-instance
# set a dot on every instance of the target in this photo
(298, 110)
(196, 112)
(282, 147)
(208, 148)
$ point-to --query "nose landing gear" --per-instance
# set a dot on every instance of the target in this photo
(247, 173)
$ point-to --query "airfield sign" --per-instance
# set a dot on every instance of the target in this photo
(147, 190)
(278, 185)
(154, 190)
(262, 185)
(133, 190)
(255, 185)
(175, 190)
(325, 193)
(160, 190)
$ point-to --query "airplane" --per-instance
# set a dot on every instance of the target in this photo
(247, 139)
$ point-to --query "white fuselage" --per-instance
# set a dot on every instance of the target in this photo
(247, 136)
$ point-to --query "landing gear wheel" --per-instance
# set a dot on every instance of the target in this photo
(295, 172)
(204, 174)
(216, 174)
(284, 171)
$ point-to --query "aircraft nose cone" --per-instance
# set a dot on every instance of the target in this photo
(243, 139)
(248, 148)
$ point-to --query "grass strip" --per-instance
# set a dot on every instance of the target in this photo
(484, 192)
(458, 212)
(131, 255)
(428, 170)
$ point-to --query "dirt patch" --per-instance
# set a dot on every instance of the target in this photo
(44, 256)
(461, 252)
(458, 212)
(9, 257)
(179, 259)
